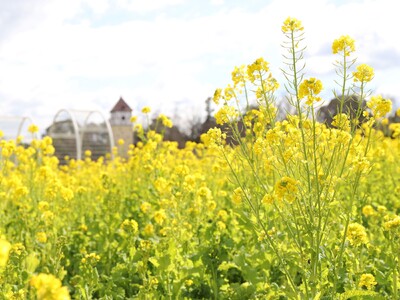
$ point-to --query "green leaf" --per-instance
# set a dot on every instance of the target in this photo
(164, 262)
(32, 262)
(154, 261)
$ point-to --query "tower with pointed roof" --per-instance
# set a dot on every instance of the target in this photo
(121, 125)
(121, 113)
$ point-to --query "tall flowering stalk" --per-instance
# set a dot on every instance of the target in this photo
(298, 175)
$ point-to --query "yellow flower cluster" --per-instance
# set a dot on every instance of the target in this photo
(379, 106)
(310, 88)
(7, 148)
(33, 128)
(130, 226)
(368, 211)
(364, 73)
(160, 216)
(213, 138)
(165, 121)
(257, 69)
(395, 128)
(392, 224)
(368, 281)
(217, 95)
(41, 237)
(91, 259)
(291, 25)
(343, 44)
(5, 248)
(237, 196)
(49, 287)
(239, 76)
(341, 121)
(146, 110)
(226, 114)
(286, 189)
(356, 234)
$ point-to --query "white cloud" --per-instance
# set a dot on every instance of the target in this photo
(98, 6)
(147, 6)
(217, 2)
(50, 63)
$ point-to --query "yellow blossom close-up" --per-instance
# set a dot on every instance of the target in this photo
(345, 44)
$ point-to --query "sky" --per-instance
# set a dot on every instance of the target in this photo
(171, 55)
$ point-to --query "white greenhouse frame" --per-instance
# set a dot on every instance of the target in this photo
(16, 131)
(80, 127)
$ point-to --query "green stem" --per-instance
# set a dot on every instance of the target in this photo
(396, 259)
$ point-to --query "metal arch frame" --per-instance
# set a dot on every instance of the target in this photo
(76, 129)
(108, 126)
(21, 124)
(80, 132)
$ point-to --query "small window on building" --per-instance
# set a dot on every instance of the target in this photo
(123, 118)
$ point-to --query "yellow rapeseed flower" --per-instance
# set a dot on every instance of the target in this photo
(368, 210)
(223, 214)
(146, 110)
(217, 96)
(213, 138)
(368, 281)
(258, 67)
(237, 195)
(160, 216)
(239, 76)
(221, 225)
(43, 206)
(145, 207)
(165, 121)
(48, 287)
(291, 25)
(148, 230)
(267, 199)
(310, 88)
(356, 234)
(226, 115)
(341, 121)
(41, 237)
(345, 43)
(229, 93)
(395, 128)
(17, 295)
(130, 226)
(392, 224)
(91, 259)
(5, 248)
(379, 106)
(17, 248)
(66, 194)
(188, 282)
(364, 73)
(33, 128)
(286, 189)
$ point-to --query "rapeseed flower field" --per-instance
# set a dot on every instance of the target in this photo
(293, 209)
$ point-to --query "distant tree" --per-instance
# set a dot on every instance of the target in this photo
(284, 109)
(350, 106)
(209, 110)
(194, 128)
